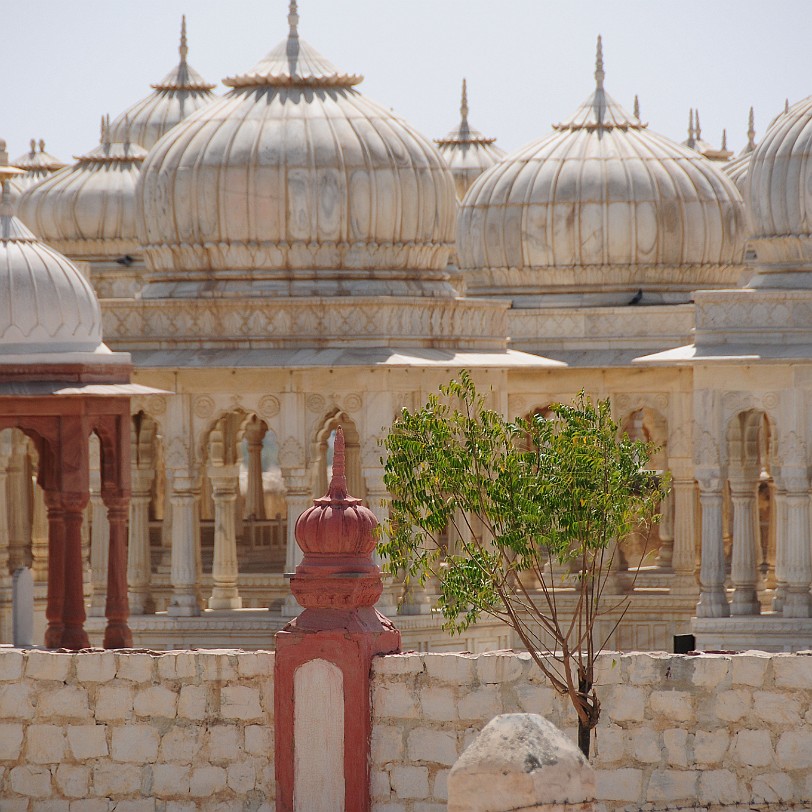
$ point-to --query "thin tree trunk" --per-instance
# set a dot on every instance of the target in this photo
(584, 728)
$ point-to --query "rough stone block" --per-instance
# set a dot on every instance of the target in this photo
(11, 665)
(672, 785)
(192, 702)
(753, 748)
(138, 668)
(719, 787)
(774, 788)
(44, 744)
(255, 664)
(169, 780)
(386, 806)
(180, 745)
(437, 704)
(394, 665)
(73, 780)
(242, 778)
(14, 805)
(646, 746)
(437, 746)
(217, 666)
(482, 704)
(207, 781)
(626, 704)
(52, 805)
(609, 744)
(96, 666)
(710, 746)
(732, 705)
(440, 788)
(409, 781)
(379, 786)
(394, 700)
(135, 743)
(710, 670)
(177, 665)
(499, 667)
(142, 805)
(15, 701)
(87, 741)
(35, 782)
(675, 741)
(240, 702)
(156, 701)
(387, 744)
(114, 702)
(69, 701)
(225, 743)
(455, 669)
(90, 805)
(674, 705)
(749, 669)
(259, 741)
(776, 708)
(791, 671)
(794, 750)
(182, 806)
(11, 741)
(537, 699)
(641, 669)
(608, 669)
(623, 784)
(47, 665)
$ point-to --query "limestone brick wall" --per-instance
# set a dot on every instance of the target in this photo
(709, 731)
(136, 732)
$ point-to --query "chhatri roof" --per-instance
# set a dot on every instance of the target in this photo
(37, 164)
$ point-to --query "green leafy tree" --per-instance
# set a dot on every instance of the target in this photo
(523, 498)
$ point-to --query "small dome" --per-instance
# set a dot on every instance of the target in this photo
(46, 305)
(181, 92)
(779, 196)
(38, 165)
(87, 210)
(295, 184)
(600, 209)
(466, 151)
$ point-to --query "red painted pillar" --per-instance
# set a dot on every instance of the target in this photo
(56, 569)
(117, 634)
(74, 635)
(337, 583)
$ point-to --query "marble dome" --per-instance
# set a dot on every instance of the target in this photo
(37, 165)
(87, 210)
(599, 211)
(292, 184)
(779, 197)
(736, 169)
(467, 152)
(181, 92)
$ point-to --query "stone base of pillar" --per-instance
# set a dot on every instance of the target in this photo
(73, 638)
(745, 602)
(118, 635)
(227, 601)
(713, 603)
(141, 603)
(797, 602)
(779, 598)
(684, 584)
(183, 606)
(97, 604)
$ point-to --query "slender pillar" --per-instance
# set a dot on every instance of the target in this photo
(4, 535)
(744, 555)
(39, 534)
(298, 498)
(798, 559)
(117, 634)
(712, 598)
(99, 537)
(74, 636)
(184, 541)
(19, 518)
(225, 481)
(780, 522)
(56, 570)
(254, 494)
(139, 565)
(683, 559)
(665, 554)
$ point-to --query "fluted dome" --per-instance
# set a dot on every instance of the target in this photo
(295, 184)
(466, 151)
(182, 91)
(779, 193)
(600, 209)
(37, 165)
(87, 210)
(736, 169)
(46, 305)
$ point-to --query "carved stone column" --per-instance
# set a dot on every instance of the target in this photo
(74, 635)
(744, 555)
(19, 516)
(225, 482)
(4, 534)
(56, 569)
(139, 565)
(798, 558)
(665, 554)
(254, 494)
(780, 523)
(299, 498)
(39, 534)
(99, 538)
(184, 543)
(117, 634)
(712, 598)
(683, 559)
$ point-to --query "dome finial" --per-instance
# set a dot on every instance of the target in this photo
(697, 129)
(184, 45)
(786, 105)
(293, 19)
(292, 51)
(338, 481)
(33, 145)
(599, 72)
(42, 145)
(691, 140)
(751, 131)
(464, 102)
(636, 110)
(724, 140)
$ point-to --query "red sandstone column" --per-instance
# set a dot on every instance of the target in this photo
(321, 675)
(117, 634)
(74, 635)
(56, 569)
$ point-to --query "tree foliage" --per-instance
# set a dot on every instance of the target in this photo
(524, 499)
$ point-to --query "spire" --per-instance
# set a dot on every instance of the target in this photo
(292, 50)
(697, 129)
(293, 19)
(691, 141)
(786, 105)
(42, 145)
(724, 140)
(33, 144)
(599, 72)
(184, 45)
(464, 102)
(636, 107)
(338, 482)
(751, 131)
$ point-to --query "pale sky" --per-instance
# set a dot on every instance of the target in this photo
(529, 63)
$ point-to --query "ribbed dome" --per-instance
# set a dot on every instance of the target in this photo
(600, 209)
(46, 305)
(87, 210)
(37, 164)
(181, 92)
(736, 170)
(295, 184)
(466, 151)
(779, 193)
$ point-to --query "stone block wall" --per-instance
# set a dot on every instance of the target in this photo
(136, 732)
(706, 731)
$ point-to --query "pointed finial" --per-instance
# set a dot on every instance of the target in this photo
(293, 19)
(338, 482)
(599, 72)
(691, 140)
(103, 132)
(697, 129)
(724, 140)
(184, 45)
(42, 145)
(636, 107)
(464, 102)
(751, 131)
(786, 105)
(33, 145)
(6, 209)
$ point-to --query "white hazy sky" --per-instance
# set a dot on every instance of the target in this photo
(529, 63)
